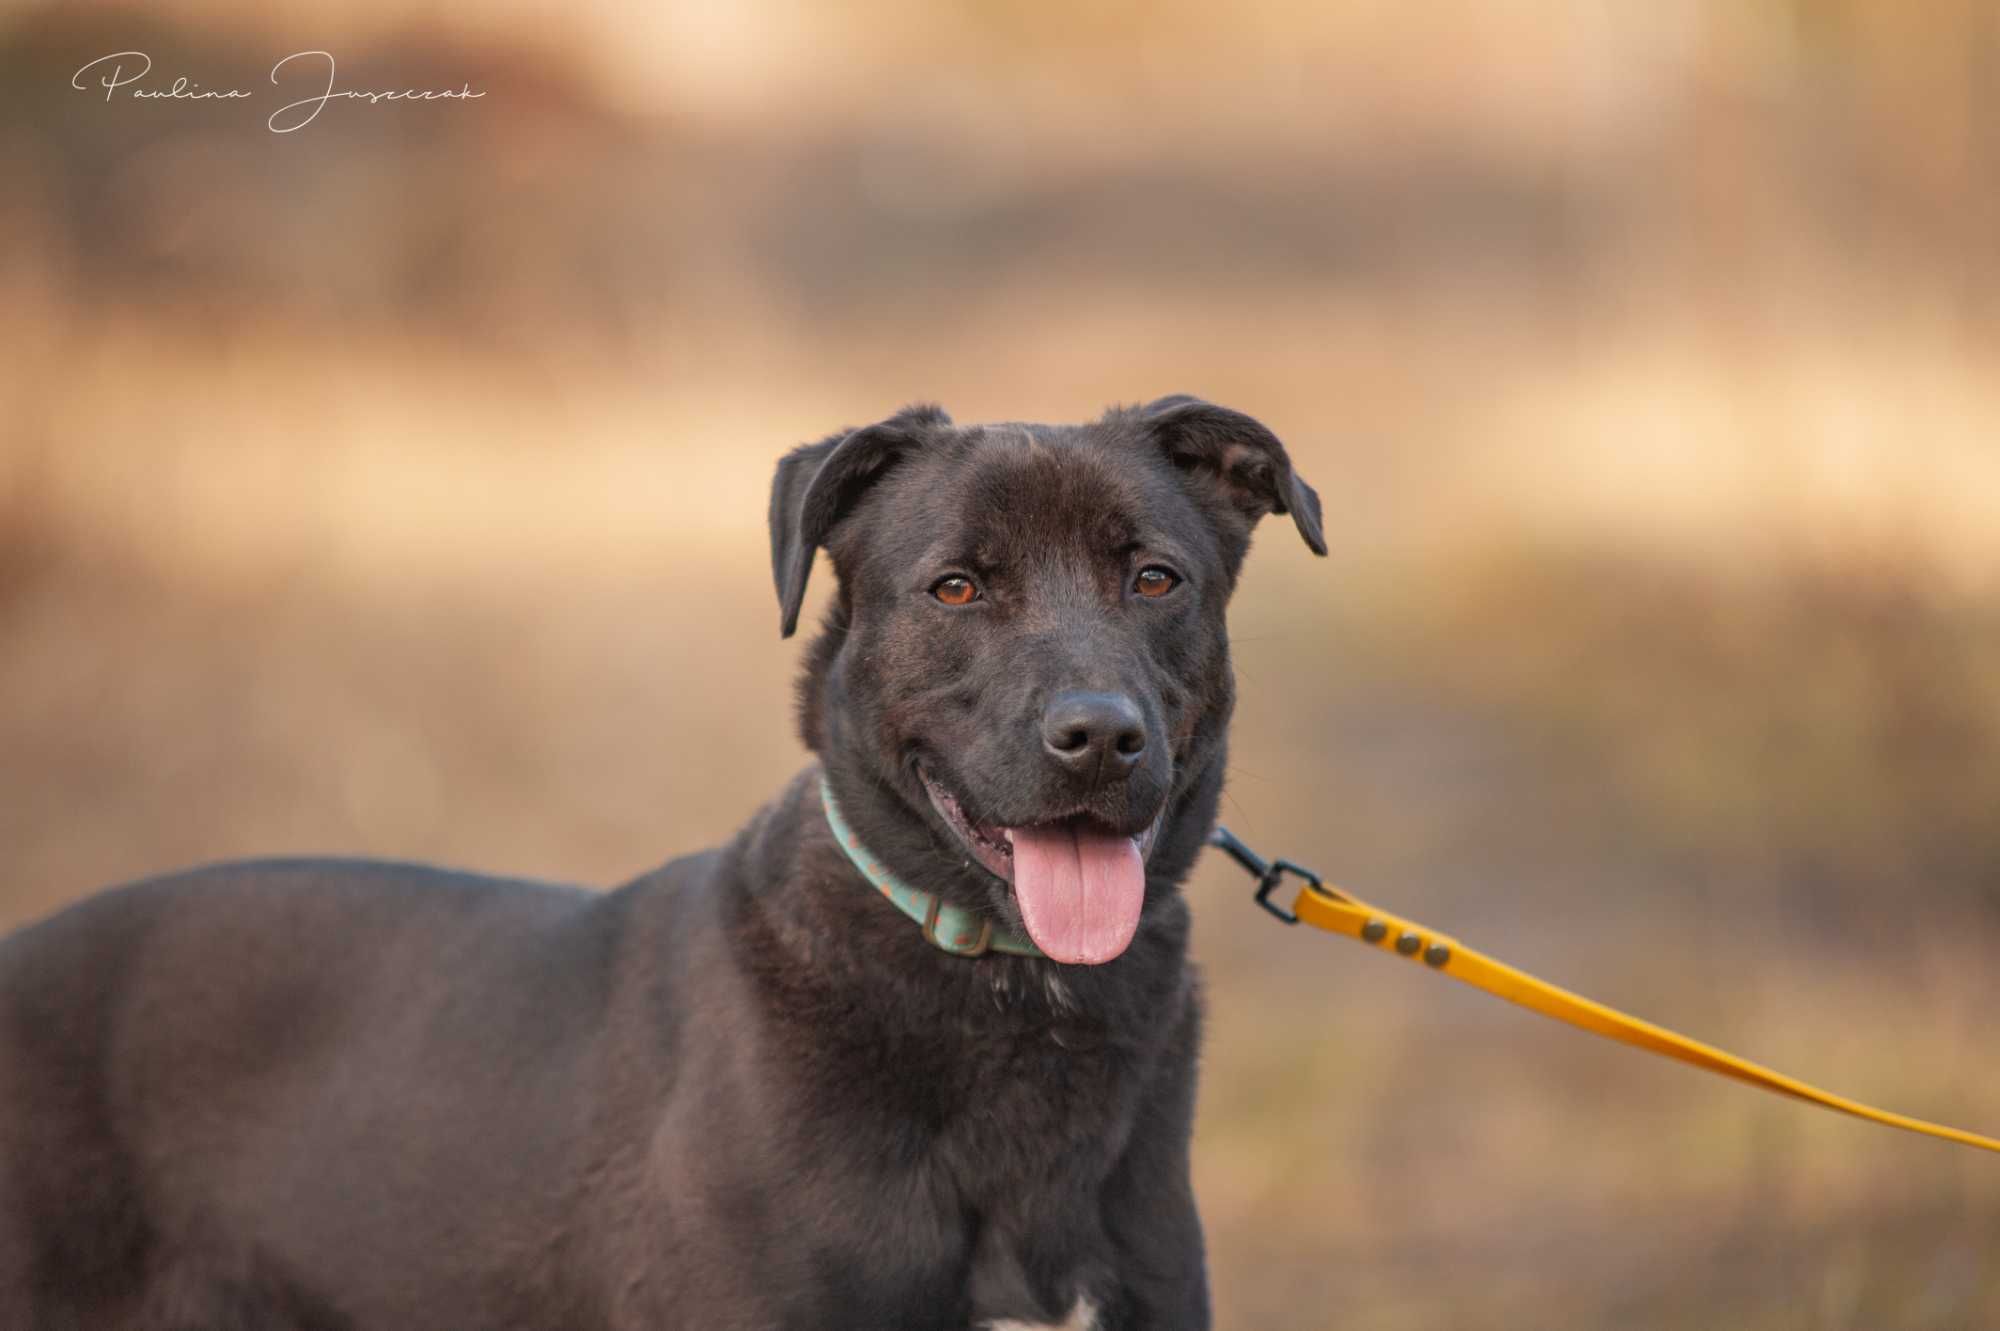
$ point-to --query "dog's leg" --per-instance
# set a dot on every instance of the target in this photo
(1149, 1207)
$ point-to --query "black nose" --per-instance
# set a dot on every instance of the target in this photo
(1101, 733)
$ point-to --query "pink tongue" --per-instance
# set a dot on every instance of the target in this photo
(1080, 891)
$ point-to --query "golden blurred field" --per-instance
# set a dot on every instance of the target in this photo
(396, 487)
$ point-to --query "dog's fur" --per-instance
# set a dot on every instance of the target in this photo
(741, 1091)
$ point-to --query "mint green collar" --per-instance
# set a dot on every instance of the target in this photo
(947, 928)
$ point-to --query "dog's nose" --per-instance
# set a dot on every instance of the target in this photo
(1100, 733)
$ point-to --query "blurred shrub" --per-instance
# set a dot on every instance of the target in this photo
(1827, 725)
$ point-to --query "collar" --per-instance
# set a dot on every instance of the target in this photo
(947, 928)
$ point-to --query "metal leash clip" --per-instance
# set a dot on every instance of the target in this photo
(1269, 873)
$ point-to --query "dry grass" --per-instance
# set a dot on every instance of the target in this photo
(282, 602)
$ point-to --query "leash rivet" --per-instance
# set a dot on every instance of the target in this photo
(1374, 931)
(1408, 943)
(1437, 954)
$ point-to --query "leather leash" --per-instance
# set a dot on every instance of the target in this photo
(1328, 908)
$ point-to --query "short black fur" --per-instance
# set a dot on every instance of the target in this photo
(741, 1091)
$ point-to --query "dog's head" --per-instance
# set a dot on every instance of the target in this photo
(1027, 669)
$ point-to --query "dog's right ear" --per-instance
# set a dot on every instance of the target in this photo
(818, 483)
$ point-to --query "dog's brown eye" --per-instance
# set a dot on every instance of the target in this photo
(1155, 582)
(956, 591)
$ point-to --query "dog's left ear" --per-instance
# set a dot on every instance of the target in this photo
(1239, 454)
(818, 483)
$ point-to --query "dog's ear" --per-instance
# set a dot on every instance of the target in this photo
(1240, 455)
(818, 483)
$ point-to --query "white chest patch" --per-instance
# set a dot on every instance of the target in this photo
(1082, 1317)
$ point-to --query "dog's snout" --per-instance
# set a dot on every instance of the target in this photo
(1104, 733)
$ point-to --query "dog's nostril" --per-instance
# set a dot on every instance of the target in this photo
(1069, 741)
(1132, 742)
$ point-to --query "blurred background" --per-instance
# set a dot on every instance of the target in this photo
(395, 487)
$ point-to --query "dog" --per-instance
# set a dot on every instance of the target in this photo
(915, 1049)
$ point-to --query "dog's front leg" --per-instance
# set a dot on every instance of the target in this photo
(1149, 1204)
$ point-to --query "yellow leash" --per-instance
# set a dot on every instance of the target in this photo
(1328, 908)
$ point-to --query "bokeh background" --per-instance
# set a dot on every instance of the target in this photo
(395, 487)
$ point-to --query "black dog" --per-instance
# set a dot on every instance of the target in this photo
(744, 1091)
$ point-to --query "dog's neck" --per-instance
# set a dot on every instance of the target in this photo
(835, 898)
(946, 925)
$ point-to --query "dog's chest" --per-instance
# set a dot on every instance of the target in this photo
(1047, 1102)
(972, 1165)
(1082, 1317)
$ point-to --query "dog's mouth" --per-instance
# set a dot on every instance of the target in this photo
(1079, 884)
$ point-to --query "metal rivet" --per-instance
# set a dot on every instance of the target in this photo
(1408, 944)
(1374, 931)
(1437, 954)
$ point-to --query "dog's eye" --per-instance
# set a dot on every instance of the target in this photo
(955, 590)
(1155, 581)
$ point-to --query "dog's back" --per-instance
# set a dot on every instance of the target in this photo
(347, 1059)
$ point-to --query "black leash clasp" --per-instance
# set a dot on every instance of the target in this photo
(1269, 873)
